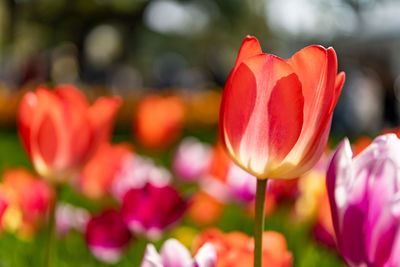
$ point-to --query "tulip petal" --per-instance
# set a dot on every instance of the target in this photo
(381, 236)
(339, 171)
(339, 81)
(250, 47)
(240, 98)
(382, 222)
(394, 259)
(50, 116)
(102, 114)
(80, 135)
(72, 95)
(26, 114)
(47, 140)
(352, 232)
(316, 68)
(285, 123)
(206, 256)
(289, 170)
(174, 254)
(347, 193)
(151, 257)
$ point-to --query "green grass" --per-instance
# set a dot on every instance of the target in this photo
(72, 251)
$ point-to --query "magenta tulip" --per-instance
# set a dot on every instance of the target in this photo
(364, 193)
(107, 236)
(151, 209)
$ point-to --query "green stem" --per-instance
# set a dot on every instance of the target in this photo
(50, 228)
(259, 221)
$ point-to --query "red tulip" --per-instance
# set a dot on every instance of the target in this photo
(59, 130)
(276, 114)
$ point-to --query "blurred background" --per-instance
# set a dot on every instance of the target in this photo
(134, 47)
(180, 53)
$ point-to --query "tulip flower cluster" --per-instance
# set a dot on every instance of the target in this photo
(275, 118)
(149, 206)
(67, 141)
(24, 200)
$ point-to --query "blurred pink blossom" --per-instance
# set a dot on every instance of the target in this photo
(107, 236)
(192, 159)
(151, 209)
(174, 254)
(135, 172)
(69, 217)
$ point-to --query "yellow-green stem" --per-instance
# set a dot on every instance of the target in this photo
(51, 227)
(259, 221)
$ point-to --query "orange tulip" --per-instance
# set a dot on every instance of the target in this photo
(204, 209)
(59, 130)
(159, 121)
(235, 249)
(276, 114)
(99, 172)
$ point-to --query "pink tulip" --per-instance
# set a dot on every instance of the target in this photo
(135, 172)
(151, 209)
(192, 159)
(241, 184)
(364, 194)
(107, 236)
(174, 254)
(69, 217)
